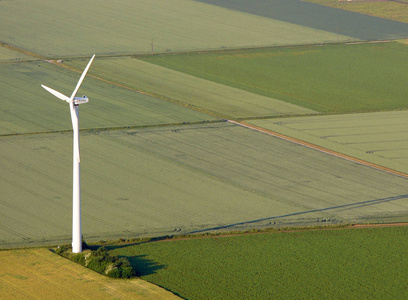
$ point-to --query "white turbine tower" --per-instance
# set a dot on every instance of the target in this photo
(76, 186)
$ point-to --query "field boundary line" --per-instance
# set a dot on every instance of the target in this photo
(20, 50)
(318, 148)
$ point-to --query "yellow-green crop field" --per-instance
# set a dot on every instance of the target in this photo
(393, 10)
(40, 274)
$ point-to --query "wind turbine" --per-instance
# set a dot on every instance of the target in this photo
(76, 186)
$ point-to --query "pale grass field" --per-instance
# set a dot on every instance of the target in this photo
(379, 137)
(41, 274)
(180, 179)
(58, 28)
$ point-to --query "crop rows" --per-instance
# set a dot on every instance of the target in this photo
(335, 264)
(355, 25)
(380, 137)
(188, 90)
(190, 178)
(393, 10)
(40, 273)
(141, 27)
(27, 109)
(333, 79)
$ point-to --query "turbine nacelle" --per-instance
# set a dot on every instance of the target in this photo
(81, 100)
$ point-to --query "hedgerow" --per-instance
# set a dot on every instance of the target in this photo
(100, 261)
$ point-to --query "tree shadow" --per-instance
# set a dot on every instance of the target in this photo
(143, 265)
(140, 263)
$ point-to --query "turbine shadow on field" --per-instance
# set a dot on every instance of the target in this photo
(339, 207)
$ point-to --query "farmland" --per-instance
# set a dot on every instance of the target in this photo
(332, 264)
(393, 10)
(165, 150)
(32, 111)
(141, 27)
(188, 90)
(376, 137)
(358, 26)
(38, 273)
(324, 79)
(191, 178)
(10, 55)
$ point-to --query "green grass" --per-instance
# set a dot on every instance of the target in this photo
(329, 264)
(335, 79)
(7, 55)
(148, 182)
(83, 28)
(27, 107)
(380, 138)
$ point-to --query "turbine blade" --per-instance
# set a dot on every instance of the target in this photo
(56, 94)
(81, 79)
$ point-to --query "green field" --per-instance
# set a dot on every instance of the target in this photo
(158, 158)
(338, 78)
(84, 28)
(329, 264)
(8, 55)
(205, 95)
(149, 182)
(380, 137)
(27, 107)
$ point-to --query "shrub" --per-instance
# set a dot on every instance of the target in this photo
(128, 272)
(62, 251)
(100, 261)
(78, 258)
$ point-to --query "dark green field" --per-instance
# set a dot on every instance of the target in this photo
(331, 79)
(329, 264)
